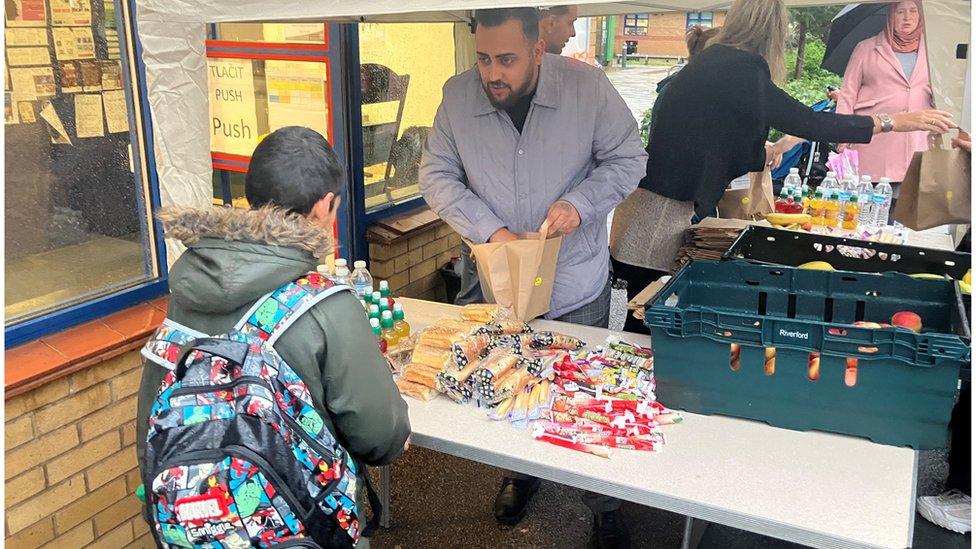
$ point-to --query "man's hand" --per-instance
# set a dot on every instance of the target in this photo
(503, 235)
(562, 218)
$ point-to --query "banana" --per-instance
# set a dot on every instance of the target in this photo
(784, 220)
(929, 276)
(965, 287)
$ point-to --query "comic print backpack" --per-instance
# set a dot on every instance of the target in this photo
(236, 454)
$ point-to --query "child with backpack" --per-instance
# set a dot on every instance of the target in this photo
(264, 394)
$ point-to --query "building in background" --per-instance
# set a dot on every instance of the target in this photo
(660, 35)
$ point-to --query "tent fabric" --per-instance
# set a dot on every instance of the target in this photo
(173, 33)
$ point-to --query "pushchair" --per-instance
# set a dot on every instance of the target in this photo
(809, 157)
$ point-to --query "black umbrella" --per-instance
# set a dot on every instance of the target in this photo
(853, 24)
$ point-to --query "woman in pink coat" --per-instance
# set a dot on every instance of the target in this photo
(888, 74)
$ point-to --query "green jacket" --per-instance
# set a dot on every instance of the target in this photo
(237, 256)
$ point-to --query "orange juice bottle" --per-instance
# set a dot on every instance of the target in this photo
(851, 211)
(831, 210)
(815, 208)
(389, 334)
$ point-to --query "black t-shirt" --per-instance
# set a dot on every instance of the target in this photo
(520, 110)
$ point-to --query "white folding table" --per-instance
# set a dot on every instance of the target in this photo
(818, 489)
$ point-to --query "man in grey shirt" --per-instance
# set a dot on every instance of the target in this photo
(526, 137)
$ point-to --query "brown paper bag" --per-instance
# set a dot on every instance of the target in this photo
(936, 189)
(752, 203)
(519, 275)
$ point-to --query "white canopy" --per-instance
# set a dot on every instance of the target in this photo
(173, 34)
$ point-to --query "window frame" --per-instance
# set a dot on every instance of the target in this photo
(699, 16)
(145, 167)
(636, 18)
(361, 219)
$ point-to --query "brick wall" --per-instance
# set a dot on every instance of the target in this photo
(665, 34)
(411, 261)
(70, 460)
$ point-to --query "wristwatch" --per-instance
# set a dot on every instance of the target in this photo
(887, 124)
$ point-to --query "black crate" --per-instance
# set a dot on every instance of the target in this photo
(793, 248)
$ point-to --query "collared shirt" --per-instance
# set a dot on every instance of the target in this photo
(579, 143)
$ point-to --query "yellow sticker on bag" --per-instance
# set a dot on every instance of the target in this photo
(538, 281)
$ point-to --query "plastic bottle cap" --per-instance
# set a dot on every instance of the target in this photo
(384, 285)
(831, 174)
(341, 262)
(795, 170)
(374, 309)
(397, 307)
(359, 264)
(322, 269)
(374, 322)
(387, 314)
(377, 296)
(885, 180)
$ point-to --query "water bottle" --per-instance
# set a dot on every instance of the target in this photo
(829, 184)
(847, 187)
(882, 202)
(865, 194)
(793, 179)
(362, 281)
(342, 276)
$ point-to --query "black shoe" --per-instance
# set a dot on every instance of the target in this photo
(513, 499)
(610, 531)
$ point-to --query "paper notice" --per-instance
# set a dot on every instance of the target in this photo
(32, 83)
(88, 115)
(111, 75)
(55, 127)
(25, 13)
(73, 43)
(25, 109)
(91, 75)
(68, 13)
(116, 114)
(26, 37)
(19, 57)
(70, 77)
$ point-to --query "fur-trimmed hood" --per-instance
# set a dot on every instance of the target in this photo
(236, 256)
(267, 225)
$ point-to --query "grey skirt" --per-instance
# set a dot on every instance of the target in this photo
(648, 230)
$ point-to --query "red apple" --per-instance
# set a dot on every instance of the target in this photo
(907, 319)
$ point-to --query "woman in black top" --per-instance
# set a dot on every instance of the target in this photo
(710, 126)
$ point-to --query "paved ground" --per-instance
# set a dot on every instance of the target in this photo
(443, 501)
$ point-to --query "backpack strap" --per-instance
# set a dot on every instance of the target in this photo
(165, 344)
(274, 313)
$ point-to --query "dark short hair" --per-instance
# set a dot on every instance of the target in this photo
(528, 17)
(292, 168)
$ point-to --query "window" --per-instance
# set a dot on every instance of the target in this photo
(700, 18)
(257, 85)
(636, 24)
(77, 209)
(403, 67)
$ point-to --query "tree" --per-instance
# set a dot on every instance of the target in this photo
(810, 21)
